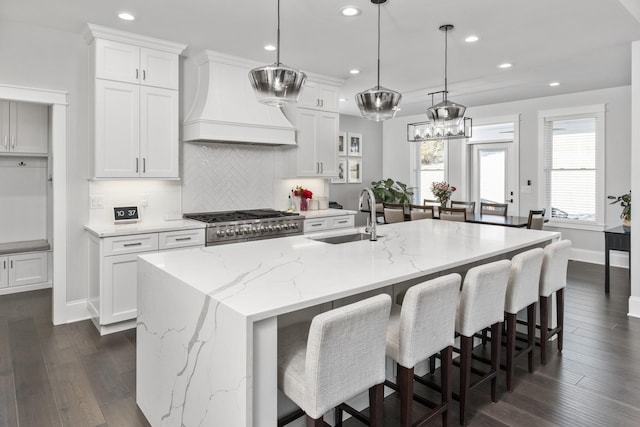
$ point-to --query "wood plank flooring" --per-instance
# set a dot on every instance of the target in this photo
(70, 376)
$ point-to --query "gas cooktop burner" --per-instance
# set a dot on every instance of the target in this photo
(214, 217)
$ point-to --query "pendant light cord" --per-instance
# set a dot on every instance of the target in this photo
(446, 38)
(378, 46)
(278, 38)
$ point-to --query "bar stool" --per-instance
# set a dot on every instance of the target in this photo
(553, 278)
(481, 305)
(522, 292)
(340, 355)
(422, 326)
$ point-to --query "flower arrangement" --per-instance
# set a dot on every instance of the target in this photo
(442, 190)
(625, 202)
(304, 194)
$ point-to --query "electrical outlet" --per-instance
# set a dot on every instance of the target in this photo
(144, 200)
(96, 201)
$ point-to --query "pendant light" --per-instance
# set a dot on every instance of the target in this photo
(277, 84)
(378, 103)
(446, 111)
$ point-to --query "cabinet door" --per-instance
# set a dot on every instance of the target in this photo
(117, 132)
(4, 271)
(30, 128)
(5, 133)
(308, 97)
(27, 269)
(328, 96)
(306, 138)
(119, 288)
(327, 125)
(158, 132)
(117, 61)
(159, 68)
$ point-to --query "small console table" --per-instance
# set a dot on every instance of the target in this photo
(615, 239)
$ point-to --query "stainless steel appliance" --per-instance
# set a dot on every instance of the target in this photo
(242, 226)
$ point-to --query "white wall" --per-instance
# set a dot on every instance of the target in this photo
(588, 245)
(634, 299)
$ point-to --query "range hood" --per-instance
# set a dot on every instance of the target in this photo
(226, 109)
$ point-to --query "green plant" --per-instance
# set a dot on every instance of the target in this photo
(390, 191)
(625, 202)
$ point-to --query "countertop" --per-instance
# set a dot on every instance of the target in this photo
(264, 278)
(324, 213)
(111, 230)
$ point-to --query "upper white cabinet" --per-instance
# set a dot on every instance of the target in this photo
(24, 128)
(133, 64)
(317, 133)
(134, 120)
(319, 96)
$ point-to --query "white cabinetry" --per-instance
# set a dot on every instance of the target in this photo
(23, 269)
(24, 128)
(316, 137)
(134, 119)
(113, 273)
(328, 223)
(319, 96)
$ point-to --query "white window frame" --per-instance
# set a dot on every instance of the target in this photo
(418, 168)
(598, 111)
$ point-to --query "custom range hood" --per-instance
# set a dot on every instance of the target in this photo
(225, 107)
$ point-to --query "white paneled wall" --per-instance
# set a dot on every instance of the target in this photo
(23, 199)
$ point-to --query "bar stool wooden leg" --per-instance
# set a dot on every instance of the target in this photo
(405, 384)
(376, 399)
(432, 364)
(511, 347)
(531, 333)
(446, 381)
(544, 328)
(314, 422)
(466, 346)
(496, 329)
(560, 315)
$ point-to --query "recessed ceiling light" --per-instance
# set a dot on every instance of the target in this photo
(553, 84)
(472, 39)
(343, 99)
(350, 11)
(270, 47)
(505, 65)
(354, 71)
(126, 16)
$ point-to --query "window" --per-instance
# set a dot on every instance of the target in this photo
(573, 167)
(431, 166)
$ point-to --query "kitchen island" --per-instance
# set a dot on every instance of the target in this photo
(208, 318)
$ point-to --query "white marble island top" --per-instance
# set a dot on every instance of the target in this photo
(208, 317)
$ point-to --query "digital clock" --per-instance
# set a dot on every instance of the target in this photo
(125, 214)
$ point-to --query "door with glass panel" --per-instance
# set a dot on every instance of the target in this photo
(494, 175)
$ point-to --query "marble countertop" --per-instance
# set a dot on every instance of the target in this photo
(265, 278)
(111, 230)
(324, 213)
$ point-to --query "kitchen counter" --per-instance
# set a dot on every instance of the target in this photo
(325, 213)
(111, 230)
(208, 317)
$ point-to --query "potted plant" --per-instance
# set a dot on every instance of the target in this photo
(625, 202)
(390, 191)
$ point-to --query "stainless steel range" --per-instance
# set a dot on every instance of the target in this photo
(242, 226)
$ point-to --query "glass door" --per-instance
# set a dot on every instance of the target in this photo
(494, 175)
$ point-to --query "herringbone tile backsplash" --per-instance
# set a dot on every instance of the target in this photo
(220, 177)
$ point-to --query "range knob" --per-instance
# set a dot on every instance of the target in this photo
(285, 226)
(270, 228)
(220, 233)
(229, 232)
(294, 225)
(277, 227)
(247, 230)
(255, 230)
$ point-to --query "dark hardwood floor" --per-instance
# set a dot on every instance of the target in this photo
(70, 376)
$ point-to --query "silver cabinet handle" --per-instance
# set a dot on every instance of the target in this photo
(144, 74)
(6, 141)
(136, 165)
(5, 265)
(322, 102)
(13, 142)
(11, 264)
(182, 239)
(136, 74)
(144, 165)
(344, 221)
(316, 225)
(127, 245)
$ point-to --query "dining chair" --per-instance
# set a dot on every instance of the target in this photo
(536, 219)
(493, 208)
(420, 212)
(469, 206)
(393, 215)
(453, 214)
(431, 202)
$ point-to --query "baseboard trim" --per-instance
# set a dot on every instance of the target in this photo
(77, 311)
(24, 288)
(634, 307)
(616, 258)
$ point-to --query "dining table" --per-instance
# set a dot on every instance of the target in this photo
(507, 221)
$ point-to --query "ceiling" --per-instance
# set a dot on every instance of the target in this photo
(583, 44)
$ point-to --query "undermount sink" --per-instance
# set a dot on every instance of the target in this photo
(343, 239)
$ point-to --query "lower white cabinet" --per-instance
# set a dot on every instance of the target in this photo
(23, 269)
(328, 223)
(113, 273)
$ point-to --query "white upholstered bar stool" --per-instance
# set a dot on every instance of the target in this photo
(522, 292)
(481, 306)
(553, 279)
(422, 326)
(340, 355)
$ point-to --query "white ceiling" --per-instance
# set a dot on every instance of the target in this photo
(583, 44)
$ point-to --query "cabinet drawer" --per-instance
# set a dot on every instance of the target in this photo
(180, 239)
(311, 225)
(341, 221)
(130, 244)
